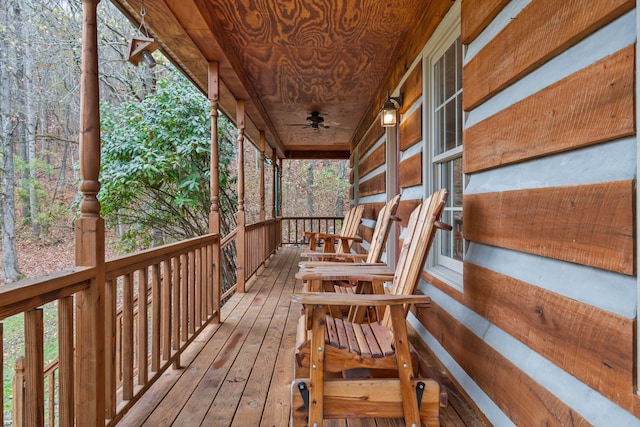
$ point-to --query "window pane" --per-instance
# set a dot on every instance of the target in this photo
(446, 246)
(438, 91)
(450, 125)
(458, 64)
(459, 120)
(458, 186)
(450, 71)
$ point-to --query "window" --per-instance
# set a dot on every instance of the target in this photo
(445, 77)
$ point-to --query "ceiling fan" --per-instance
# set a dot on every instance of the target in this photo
(315, 121)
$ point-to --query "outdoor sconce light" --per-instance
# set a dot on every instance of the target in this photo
(390, 111)
(140, 49)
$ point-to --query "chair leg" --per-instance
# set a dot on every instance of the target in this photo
(405, 370)
(316, 400)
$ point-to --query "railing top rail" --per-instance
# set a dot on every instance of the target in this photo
(130, 263)
(312, 217)
(259, 224)
(31, 293)
(229, 237)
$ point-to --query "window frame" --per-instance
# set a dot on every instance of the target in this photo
(444, 268)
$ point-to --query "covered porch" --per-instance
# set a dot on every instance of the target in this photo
(156, 337)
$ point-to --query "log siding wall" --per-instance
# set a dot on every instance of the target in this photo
(371, 171)
(548, 307)
(543, 331)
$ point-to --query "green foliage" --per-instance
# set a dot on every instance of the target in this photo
(156, 164)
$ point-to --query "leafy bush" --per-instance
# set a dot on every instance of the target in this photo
(155, 164)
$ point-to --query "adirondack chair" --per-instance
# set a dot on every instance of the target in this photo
(346, 237)
(386, 216)
(330, 358)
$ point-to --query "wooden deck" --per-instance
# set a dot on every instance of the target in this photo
(239, 372)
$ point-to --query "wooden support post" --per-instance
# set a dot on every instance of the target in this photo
(280, 187)
(240, 219)
(214, 214)
(263, 213)
(273, 184)
(89, 237)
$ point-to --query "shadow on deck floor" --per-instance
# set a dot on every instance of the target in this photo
(239, 372)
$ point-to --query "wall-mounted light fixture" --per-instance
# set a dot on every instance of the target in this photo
(389, 116)
(141, 46)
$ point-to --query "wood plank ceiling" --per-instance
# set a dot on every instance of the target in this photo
(288, 58)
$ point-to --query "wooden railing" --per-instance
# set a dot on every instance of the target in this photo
(28, 296)
(167, 295)
(293, 227)
(156, 303)
(262, 240)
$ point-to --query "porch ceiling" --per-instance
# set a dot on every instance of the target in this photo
(289, 58)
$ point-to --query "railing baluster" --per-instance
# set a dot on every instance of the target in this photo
(51, 402)
(216, 258)
(192, 292)
(155, 317)
(2, 375)
(143, 326)
(18, 393)
(127, 337)
(110, 348)
(34, 382)
(176, 287)
(202, 273)
(166, 310)
(206, 255)
(184, 306)
(66, 396)
(118, 351)
(198, 289)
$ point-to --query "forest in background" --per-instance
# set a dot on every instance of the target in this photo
(155, 143)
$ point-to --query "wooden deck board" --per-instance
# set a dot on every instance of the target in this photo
(239, 372)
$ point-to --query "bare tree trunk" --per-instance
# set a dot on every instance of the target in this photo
(342, 175)
(309, 188)
(30, 139)
(7, 127)
(19, 103)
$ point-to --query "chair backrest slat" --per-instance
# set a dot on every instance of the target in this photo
(381, 231)
(350, 224)
(417, 242)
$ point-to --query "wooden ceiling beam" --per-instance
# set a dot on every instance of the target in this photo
(318, 154)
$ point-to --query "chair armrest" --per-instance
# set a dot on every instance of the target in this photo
(327, 298)
(346, 256)
(312, 264)
(354, 274)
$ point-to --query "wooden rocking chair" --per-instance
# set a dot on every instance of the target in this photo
(346, 237)
(354, 370)
(386, 216)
